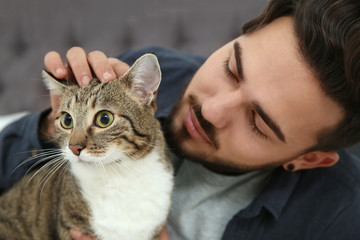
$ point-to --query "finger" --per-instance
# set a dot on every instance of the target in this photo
(79, 65)
(120, 68)
(54, 64)
(164, 235)
(101, 66)
(78, 235)
(70, 75)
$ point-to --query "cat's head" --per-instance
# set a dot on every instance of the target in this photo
(108, 122)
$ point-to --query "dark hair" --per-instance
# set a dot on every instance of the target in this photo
(328, 34)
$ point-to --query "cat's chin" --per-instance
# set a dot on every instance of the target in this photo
(91, 160)
(82, 161)
(97, 163)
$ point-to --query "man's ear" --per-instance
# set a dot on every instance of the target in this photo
(312, 160)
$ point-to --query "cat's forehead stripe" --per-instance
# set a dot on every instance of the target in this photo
(93, 100)
(93, 96)
(134, 128)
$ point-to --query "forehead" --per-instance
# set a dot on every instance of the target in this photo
(279, 79)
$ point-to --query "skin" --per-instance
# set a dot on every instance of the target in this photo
(275, 78)
(229, 130)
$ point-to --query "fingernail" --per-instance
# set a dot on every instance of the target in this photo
(107, 76)
(85, 80)
(59, 71)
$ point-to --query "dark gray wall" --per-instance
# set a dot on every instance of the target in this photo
(29, 29)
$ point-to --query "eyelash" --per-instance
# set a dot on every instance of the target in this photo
(254, 128)
(228, 72)
(252, 123)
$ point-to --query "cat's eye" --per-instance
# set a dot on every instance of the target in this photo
(66, 121)
(104, 119)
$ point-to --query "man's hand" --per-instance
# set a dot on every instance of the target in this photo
(163, 235)
(79, 66)
(80, 69)
(78, 235)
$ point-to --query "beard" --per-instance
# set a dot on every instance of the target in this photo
(177, 135)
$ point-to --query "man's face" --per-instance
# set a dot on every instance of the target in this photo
(253, 104)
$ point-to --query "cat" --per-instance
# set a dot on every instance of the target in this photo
(111, 177)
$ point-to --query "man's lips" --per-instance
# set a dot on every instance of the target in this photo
(194, 128)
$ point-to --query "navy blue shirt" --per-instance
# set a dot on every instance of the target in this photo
(322, 203)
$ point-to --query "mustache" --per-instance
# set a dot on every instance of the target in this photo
(205, 125)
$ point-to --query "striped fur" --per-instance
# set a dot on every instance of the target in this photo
(118, 186)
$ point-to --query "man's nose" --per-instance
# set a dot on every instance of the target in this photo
(221, 109)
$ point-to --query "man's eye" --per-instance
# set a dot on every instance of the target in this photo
(228, 72)
(255, 128)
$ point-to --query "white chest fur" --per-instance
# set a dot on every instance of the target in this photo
(128, 201)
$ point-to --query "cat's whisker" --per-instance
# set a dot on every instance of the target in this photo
(52, 168)
(43, 167)
(40, 151)
(44, 153)
(51, 165)
(101, 168)
(57, 165)
(148, 144)
(124, 164)
(46, 159)
(153, 145)
(67, 165)
(131, 171)
(115, 165)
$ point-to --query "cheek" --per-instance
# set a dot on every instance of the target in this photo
(237, 141)
(207, 80)
(62, 137)
(239, 145)
(97, 145)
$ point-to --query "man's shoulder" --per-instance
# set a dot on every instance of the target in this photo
(345, 174)
(332, 196)
(337, 185)
(165, 55)
(321, 203)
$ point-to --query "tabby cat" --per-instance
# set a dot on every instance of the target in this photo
(111, 177)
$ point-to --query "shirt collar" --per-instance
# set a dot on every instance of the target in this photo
(275, 195)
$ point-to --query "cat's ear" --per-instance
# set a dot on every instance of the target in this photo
(58, 86)
(145, 75)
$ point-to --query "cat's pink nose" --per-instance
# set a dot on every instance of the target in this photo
(76, 149)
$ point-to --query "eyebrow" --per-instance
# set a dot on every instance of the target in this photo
(270, 122)
(267, 119)
(238, 51)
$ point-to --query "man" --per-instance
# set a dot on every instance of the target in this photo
(260, 121)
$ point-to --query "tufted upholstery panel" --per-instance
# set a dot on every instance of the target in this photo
(29, 29)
